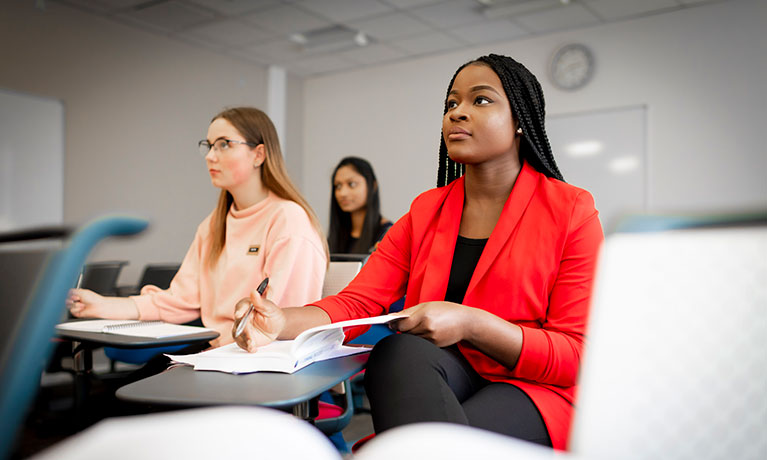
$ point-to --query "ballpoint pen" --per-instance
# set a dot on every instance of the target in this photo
(241, 327)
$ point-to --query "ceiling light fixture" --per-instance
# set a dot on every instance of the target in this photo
(333, 38)
(504, 8)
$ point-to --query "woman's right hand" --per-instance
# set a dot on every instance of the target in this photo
(264, 325)
(84, 303)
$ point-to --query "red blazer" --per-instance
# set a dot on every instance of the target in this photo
(536, 271)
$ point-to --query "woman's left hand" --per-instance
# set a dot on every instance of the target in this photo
(442, 323)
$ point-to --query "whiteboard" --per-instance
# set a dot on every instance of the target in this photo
(604, 152)
(31, 161)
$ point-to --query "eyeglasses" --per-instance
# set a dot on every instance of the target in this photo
(221, 145)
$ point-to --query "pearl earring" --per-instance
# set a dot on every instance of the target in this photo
(519, 131)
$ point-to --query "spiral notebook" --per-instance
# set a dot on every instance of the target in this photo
(148, 329)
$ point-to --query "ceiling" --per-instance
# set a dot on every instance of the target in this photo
(314, 37)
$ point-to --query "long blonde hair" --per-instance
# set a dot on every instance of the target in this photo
(256, 127)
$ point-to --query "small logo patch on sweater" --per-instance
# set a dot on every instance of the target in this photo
(253, 250)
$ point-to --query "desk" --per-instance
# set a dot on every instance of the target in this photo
(126, 341)
(84, 342)
(298, 392)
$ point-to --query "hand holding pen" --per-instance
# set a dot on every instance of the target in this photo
(244, 320)
(259, 321)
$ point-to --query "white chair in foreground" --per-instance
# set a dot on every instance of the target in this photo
(209, 433)
(676, 361)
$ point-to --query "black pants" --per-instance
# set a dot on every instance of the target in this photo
(409, 380)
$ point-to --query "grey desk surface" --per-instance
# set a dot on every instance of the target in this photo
(186, 387)
(125, 341)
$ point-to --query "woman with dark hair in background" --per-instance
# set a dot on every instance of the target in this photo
(356, 224)
(497, 263)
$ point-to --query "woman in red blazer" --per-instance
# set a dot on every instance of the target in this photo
(497, 266)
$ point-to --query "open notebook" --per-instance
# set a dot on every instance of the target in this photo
(148, 329)
(316, 344)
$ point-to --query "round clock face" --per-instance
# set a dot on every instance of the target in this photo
(572, 67)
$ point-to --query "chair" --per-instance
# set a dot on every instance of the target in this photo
(675, 364)
(101, 277)
(345, 257)
(159, 275)
(224, 432)
(331, 418)
(27, 345)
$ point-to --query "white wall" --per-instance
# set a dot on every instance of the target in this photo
(700, 72)
(135, 106)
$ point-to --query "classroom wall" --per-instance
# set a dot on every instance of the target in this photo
(135, 106)
(699, 71)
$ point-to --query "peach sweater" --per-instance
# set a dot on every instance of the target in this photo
(272, 238)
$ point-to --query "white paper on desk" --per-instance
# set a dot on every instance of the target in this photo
(274, 357)
(287, 356)
(133, 328)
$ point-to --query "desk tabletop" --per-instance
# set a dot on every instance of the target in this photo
(186, 387)
(126, 341)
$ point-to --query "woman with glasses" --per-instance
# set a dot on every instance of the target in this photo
(261, 227)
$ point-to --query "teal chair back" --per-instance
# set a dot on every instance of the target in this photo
(27, 347)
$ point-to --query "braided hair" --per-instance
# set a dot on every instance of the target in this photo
(527, 107)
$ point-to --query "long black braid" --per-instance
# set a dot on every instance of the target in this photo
(527, 107)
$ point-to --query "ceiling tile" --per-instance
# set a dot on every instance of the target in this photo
(372, 54)
(257, 30)
(103, 6)
(449, 14)
(279, 51)
(230, 33)
(487, 32)
(342, 11)
(286, 19)
(561, 18)
(428, 43)
(390, 26)
(618, 9)
(693, 2)
(169, 16)
(234, 7)
(320, 64)
(410, 3)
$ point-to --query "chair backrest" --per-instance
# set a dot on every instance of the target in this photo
(339, 274)
(159, 275)
(345, 257)
(676, 358)
(101, 277)
(28, 345)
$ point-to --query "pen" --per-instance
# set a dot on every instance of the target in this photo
(241, 327)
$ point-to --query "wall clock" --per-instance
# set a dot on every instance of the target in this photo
(572, 67)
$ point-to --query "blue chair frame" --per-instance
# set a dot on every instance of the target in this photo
(30, 344)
